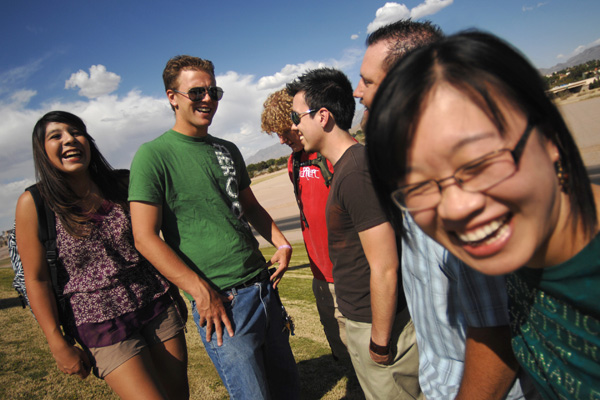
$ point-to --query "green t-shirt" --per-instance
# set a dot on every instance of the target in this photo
(197, 181)
(555, 321)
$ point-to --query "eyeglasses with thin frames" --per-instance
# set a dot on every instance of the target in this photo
(198, 93)
(478, 175)
(296, 116)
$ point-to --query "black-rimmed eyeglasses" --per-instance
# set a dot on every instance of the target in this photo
(198, 93)
(478, 175)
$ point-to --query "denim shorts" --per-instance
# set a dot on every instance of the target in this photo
(165, 326)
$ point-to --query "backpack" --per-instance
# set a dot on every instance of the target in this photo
(321, 163)
(47, 234)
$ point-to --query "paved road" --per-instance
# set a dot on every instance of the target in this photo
(583, 118)
(276, 194)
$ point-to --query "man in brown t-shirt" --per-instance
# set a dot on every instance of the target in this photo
(362, 242)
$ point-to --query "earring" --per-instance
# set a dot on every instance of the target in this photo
(563, 177)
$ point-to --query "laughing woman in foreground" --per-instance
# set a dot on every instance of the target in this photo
(118, 307)
(463, 136)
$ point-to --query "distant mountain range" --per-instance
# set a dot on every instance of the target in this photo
(593, 53)
(274, 151)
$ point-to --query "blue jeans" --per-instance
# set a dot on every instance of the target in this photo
(257, 362)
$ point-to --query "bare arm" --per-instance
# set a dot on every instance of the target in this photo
(490, 366)
(146, 220)
(379, 245)
(69, 359)
(264, 224)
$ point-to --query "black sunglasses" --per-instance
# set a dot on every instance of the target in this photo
(198, 93)
(296, 115)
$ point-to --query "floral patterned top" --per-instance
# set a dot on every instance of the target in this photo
(104, 276)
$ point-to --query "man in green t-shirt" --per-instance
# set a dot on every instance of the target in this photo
(194, 188)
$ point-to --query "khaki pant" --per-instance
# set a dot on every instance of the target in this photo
(334, 323)
(400, 380)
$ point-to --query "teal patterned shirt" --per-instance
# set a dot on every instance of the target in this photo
(555, 320)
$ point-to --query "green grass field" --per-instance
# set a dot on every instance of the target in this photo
(28, 371)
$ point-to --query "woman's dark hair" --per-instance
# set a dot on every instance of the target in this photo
(53, 183)
(488, 71)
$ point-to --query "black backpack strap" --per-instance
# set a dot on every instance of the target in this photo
(321, 163)
(47, 233)
(296, 175)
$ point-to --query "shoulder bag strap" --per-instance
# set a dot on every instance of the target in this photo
(47, 233)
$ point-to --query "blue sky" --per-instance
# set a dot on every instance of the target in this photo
(103, 60)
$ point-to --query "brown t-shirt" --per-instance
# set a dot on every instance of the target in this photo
(353, 207)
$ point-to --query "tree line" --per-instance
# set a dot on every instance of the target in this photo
(263, 167)
(573, 74)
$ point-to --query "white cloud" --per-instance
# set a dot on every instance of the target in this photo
(392, 12)
(531, 8)
(18, 75)
(429, 7)
(120, 124)
(578, 50)
(98, 83)
(287, 74)
(8, 198)
(22, 97)
(354, 37)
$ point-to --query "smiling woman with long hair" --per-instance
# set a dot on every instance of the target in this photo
(463, 136)
(119, 308)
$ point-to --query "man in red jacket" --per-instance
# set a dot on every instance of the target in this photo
(310, 174)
